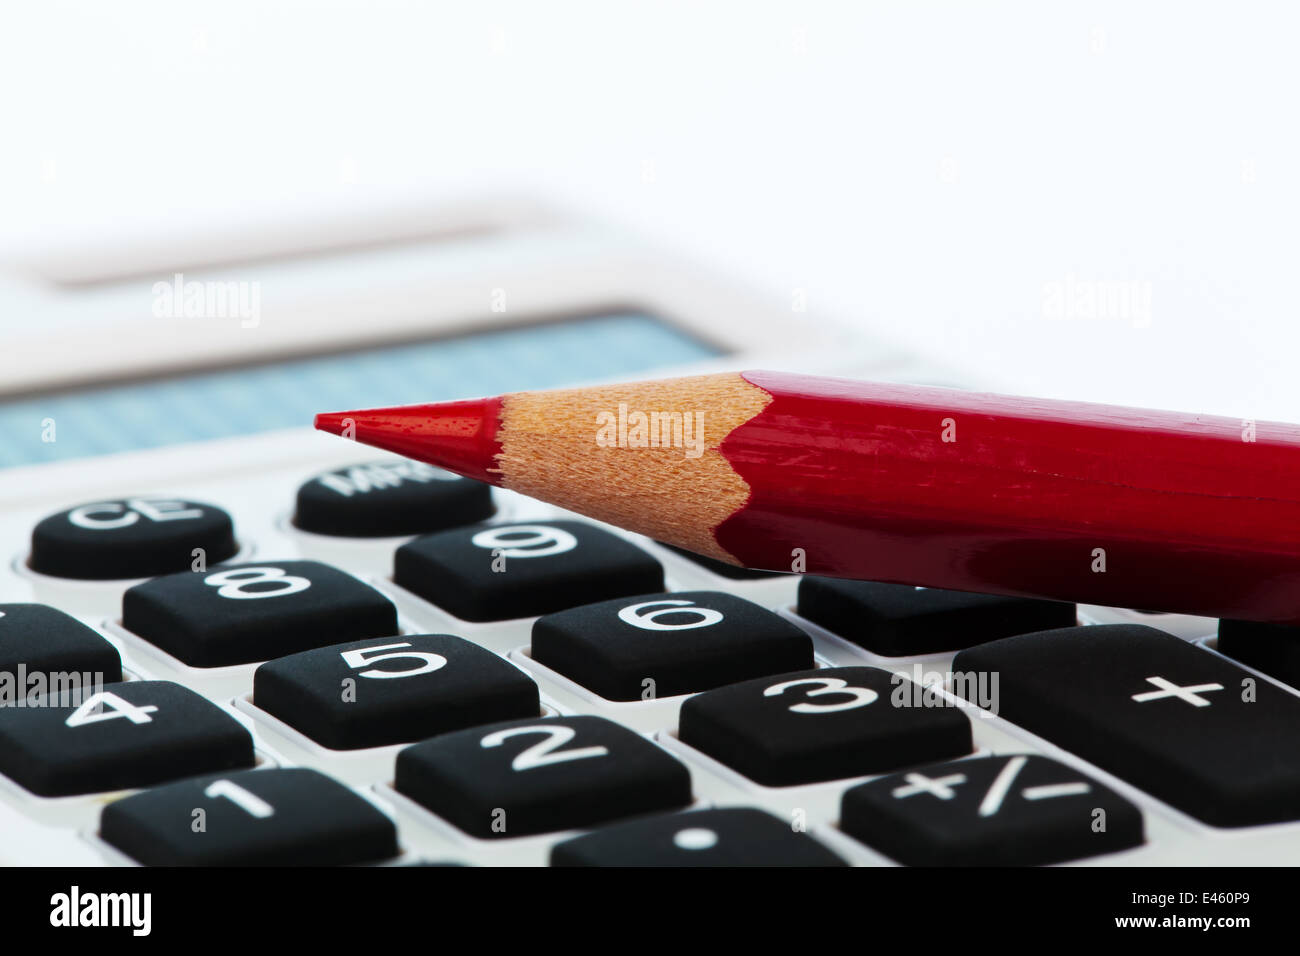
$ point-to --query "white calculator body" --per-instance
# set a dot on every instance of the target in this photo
(125, 375)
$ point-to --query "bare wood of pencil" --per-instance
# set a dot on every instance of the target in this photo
(915, 485)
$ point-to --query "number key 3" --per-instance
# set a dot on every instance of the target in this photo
(822, 724)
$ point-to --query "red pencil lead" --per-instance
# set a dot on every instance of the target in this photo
(458, 436)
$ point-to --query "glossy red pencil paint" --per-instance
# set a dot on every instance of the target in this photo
(1091, 503)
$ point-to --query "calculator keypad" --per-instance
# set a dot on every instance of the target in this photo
(494, 717)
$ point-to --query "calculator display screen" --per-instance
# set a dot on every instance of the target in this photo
(239, 401)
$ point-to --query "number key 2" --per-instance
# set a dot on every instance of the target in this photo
(241, 613)
(495, 572)
(822, 724)
(534, 776)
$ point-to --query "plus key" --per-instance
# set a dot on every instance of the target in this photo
(1187, 726)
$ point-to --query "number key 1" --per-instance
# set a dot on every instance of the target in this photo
(276, 817)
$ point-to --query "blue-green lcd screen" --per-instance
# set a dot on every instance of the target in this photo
(239, 401)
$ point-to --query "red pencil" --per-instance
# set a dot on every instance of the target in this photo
(906, 484)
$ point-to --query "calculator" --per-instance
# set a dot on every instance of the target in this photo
(226, 638)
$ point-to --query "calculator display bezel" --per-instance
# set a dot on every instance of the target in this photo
(328, 297)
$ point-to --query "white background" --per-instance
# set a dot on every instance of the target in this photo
(928, 170)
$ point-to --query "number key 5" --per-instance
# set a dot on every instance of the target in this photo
(391, 690)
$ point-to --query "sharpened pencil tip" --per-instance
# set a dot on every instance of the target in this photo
(332, 422)
(458, 436)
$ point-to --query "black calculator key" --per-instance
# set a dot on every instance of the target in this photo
(534, 776)
(1171, 718)
(241, 613)
(897, 620)
(47, 645)
(722, 568)
(437, 863)
(130, 734)
(1018, 810)
(658, 645)
(733, 836)
(274, 817)
(390, 498)
(131, 538)
(823, 724)
(1271, 648)
(495, 572)
(391, 690)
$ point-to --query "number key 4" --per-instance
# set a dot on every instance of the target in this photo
(132, 734)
